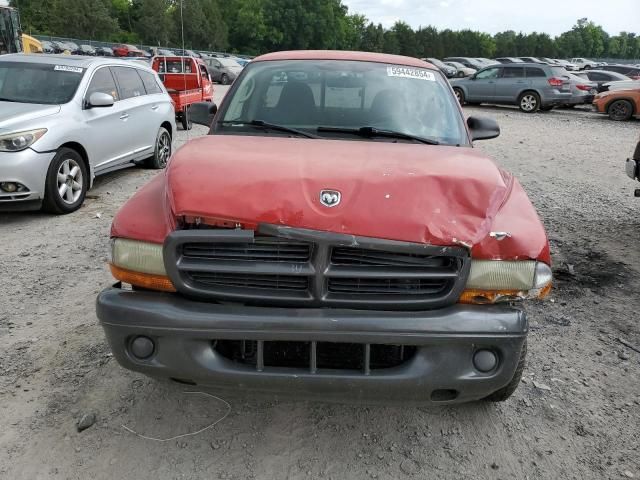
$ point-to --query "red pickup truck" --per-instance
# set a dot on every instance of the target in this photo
(335, 236)
(187, 80)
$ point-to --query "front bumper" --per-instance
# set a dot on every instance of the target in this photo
(29, 168)
(445, 341)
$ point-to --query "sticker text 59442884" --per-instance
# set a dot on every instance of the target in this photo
(409, 72)
(67, 68)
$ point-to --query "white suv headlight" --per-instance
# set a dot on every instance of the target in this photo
(15, 142)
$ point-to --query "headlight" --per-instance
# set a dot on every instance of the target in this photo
(15, 142)
(140, 264)
(492, 281)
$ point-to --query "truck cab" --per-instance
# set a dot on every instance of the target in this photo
(188, 81)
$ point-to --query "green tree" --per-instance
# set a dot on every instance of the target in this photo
(152, 21)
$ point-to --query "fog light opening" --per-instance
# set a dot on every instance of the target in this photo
(9, 187)
(444, 395)
(485, 361)
(142, 347)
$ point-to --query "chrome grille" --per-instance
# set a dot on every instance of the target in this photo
(281, 266)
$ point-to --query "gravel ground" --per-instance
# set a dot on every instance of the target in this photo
(574, 417)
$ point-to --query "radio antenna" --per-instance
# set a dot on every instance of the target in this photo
(184, 69)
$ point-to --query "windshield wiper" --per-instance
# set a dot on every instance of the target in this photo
(269, 126)
(377, 132)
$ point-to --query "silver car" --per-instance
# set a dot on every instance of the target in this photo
(531, 86)
(64, 120)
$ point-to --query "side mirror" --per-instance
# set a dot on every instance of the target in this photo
(483, 128)
(100, 100)
(202, 113)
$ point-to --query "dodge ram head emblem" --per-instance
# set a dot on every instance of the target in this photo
(330, 198)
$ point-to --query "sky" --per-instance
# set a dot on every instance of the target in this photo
(492, 16)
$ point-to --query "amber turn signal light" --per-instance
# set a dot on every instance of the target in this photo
(483, 297)
(142, 280)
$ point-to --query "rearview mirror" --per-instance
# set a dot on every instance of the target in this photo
(202, 113)
(483, 128)
(100, 100)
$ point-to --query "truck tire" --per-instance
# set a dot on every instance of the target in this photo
(185, 121)
(66, 184)
(505, 392)
(529, 102)
(162, 152)
(620, 110)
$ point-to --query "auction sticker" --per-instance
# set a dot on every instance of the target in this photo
(408, 72)
(67, 68)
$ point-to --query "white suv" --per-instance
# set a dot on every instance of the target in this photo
(65, 119)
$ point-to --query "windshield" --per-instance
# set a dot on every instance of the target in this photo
(39, 83)
(307, 94)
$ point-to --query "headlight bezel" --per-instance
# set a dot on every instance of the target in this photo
(29, 138)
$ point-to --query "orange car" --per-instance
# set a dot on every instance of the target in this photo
(618, 104)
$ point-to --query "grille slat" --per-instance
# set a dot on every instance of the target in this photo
(358, 256)
(260, 250)
(275, 282)
(390, 286)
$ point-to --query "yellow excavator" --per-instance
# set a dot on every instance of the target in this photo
(12, 40)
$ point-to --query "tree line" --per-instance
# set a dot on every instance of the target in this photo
(258, 26)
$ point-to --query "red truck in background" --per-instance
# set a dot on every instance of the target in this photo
(187, 80)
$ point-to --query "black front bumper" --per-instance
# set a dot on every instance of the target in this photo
(445, 341)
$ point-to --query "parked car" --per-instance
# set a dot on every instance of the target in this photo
(531, 86)
(466, 61)
(620, 105)
(550, 61)
(583, 63)
(73, 48)
(532, 60)
(582, 91)
(628, 70)
(124, 50)
(186, 53)
(486, 61)
(65, 120)
(621, 85)
(566, 64)
(633, 167)
(61, 47)
(223, 70)
(86, 50)
(461, 70)
(104, 52)
(274, 255)
(187, 80)
(602, 77)
(47, 47)
(449, 72)
(508, 60)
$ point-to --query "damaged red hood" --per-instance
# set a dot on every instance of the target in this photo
(411, 192)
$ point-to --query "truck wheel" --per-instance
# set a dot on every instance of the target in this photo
(224, 80)
(620, 110)
(162, 152)
(505, 392)
(529, 102)
(185, 121)
(66, 184)
(459, 95)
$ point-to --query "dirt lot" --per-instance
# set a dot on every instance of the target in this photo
(576, 416)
